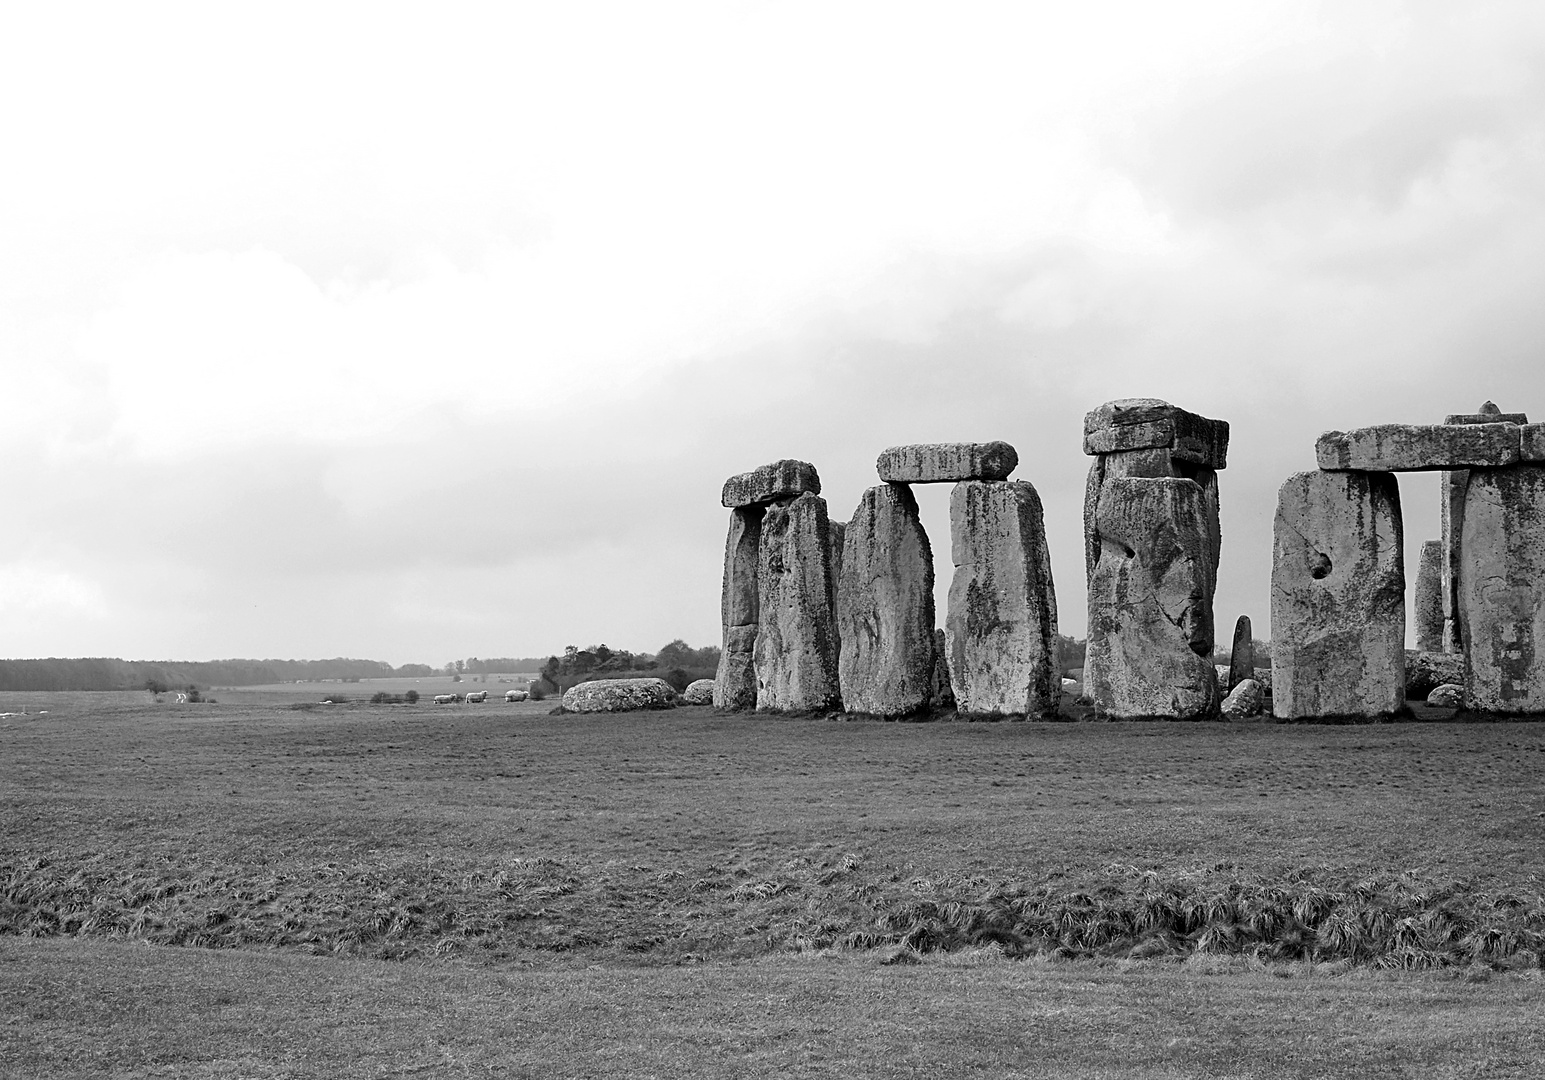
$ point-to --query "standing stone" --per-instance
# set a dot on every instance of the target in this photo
(885, 607)
(1241, 665)
(1338, 597)
(1429, 598)
(1150, 602)
(1454, 485)
(796, 640)
(1502, 590)
(1001, 627)
(735, 681)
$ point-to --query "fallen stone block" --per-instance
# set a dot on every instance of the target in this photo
(1001, 627)
(885, 618)
(1502, 590)
(1145, 423)
(1150, 602)
(1338, 597)
(796, 641)
(698, 692)
(946, 463)
(770, 483)
(1418, 447)
(1244, 701)
(619, 695)
(1447, 696)
(1427, 668)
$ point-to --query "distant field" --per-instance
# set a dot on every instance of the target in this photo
(502, 837)
(286, 693)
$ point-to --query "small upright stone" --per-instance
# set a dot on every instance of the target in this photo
(1001, 627)
(1242, 658)
(796, 640)
(885, 607)
(1502, 590)
(946, 463)
(1429, 597)
(771, 483)
(1150, 602)
(1488, 413)
(1338, 597)
(941, 695)
(1419, 447)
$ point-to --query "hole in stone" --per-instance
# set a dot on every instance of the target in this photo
(1320, 567)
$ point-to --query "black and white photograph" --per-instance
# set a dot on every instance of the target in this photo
(772, 539)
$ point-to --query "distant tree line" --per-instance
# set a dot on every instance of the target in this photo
(110, 673)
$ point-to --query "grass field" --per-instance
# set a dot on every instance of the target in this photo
(680, 866)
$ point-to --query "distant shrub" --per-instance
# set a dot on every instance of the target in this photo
(194, 697)
(335, 699)
(411, 697)
(156, 687)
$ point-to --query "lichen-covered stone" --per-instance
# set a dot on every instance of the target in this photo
(940, 694)
(1453, 486)
(735, 680)
(1418, 447)
(1502, 590)
(619, 695)
(1488, 413)
(946, 463)
(698, 692)
(1429, 597)
(1149, 463)
(1338, 597)
(769, 483)
(885, 607)
(1241, 664)
(1001, 627)
(1532, 442)
(1146, 423)
(1150, 602)
(1244, 701)
(796, 640)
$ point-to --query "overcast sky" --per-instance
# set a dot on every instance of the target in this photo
(421, 332)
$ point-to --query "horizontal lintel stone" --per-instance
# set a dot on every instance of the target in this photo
(1419, 447)
(946, 463)
(784, 479)
(1533, 443)
(1148, 423)
(1487, 418)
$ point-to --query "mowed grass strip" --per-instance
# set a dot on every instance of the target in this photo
(497, 832)
(92, 1008)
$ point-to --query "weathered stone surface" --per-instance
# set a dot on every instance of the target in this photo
(1488, 413)
(619, 695)
(1244, 701)
(946, 463)
(1447, 696)
(796, 640)
(1338, 597)
(735, 681)
(885, 606)
(516, 695)
(941, 695)
(1150, 602)
(780, 480)
(1241, 664)
(698, 692)
(1001, 627)
(1532, 442)
(1428, 669)
(1429, 597)
(1418, 447)
(1149, 463)
(1502, 590)
(1143, 423)
(838, 537)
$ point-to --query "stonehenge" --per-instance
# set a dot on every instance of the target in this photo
(1151, 546)
(820, 615)
(824, 616)
(1480, 590)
